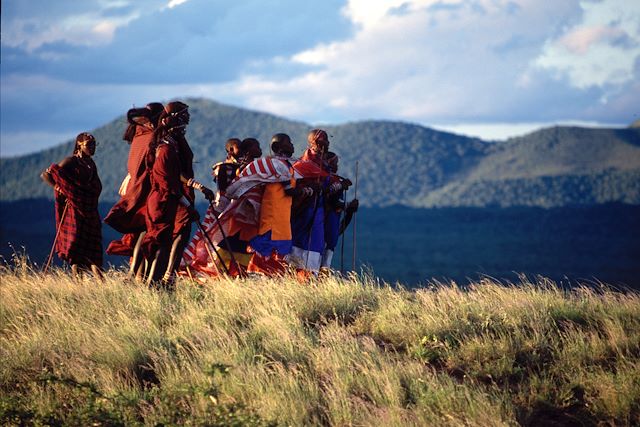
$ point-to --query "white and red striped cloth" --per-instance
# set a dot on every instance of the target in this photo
(246, 194)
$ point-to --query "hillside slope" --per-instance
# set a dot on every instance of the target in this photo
(399, 163)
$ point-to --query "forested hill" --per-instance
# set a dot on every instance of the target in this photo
(399, 163)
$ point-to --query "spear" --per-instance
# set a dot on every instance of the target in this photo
(353, 260)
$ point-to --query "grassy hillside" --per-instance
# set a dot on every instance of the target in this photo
(334, 352)
(399, 163)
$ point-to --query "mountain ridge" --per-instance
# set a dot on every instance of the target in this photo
(399, 163)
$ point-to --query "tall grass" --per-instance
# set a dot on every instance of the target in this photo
(338, 351)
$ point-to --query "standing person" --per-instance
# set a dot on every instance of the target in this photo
(273, 241)
(265, 181)
(238, 227)
(334, 224)
(224, 172)
(166, 197)
(128, 215)
(77, 189)
(237, 240)
(175, 118)
(307, 222)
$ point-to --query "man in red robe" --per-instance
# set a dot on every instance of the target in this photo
(128, 215)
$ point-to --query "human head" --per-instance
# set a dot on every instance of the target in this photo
(318, 142)
(154, 111)
(332, 161)
(179, 110)
(250, 148)
(174, 119)
(232, 147)
(85, 144)
(147, 116)
(281, 145)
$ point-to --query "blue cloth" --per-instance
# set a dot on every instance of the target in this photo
(332, 229)
(308, 229)
(265, 246)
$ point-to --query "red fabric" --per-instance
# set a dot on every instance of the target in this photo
(273, 265)
(186, 166)
(123, 246)
(310, 166)
(80, 230)
(128, 214)
(162, 202)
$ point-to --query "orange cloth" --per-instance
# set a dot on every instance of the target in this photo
(275, 212)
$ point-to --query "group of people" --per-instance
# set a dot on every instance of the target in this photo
(269, 215)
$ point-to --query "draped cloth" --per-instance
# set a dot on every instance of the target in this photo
(162, 203)
(307, 222)
(80, 230)
(128, 214)
(242, 215)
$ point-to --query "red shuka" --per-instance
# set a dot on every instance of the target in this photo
(80, 230)
(128, 215)
(162, 202)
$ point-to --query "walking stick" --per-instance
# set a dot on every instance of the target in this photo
(55, 240)
(224, 236)
(226, 270)
(353, 260)
(344, 198)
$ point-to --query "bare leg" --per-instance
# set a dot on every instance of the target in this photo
(76, 272)
(158, 266)
(97, 272)
(173, 262)
(137, 260)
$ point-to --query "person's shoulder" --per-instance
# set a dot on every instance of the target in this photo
(67, 161)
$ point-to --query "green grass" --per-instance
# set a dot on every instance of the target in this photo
(339, 351)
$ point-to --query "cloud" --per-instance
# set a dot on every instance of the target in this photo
(75, 65)
(32, 24)
(199, 41)
(601, 49)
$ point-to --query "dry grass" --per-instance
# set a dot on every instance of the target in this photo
(340, 351)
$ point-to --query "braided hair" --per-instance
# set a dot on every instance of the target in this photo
(82, 138)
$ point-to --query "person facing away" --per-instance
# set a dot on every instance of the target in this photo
(77, 188)
(127, 216)
(273, 240)
(334, 223)
(233, 248)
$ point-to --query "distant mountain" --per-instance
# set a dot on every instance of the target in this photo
(398, 163)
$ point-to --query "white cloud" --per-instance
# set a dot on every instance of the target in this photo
(174, 3)
(600, 50)
(419, 60)
(92, 24)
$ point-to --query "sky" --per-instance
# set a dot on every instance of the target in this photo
(487, 68)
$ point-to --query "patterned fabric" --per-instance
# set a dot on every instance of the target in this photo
(80, 230)
(242, 216)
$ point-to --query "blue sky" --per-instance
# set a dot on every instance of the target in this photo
(491, 68)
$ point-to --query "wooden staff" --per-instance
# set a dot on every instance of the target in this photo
(55, 240)
(353, 261)
(208, 239)
(342, 215)
(227, 243)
